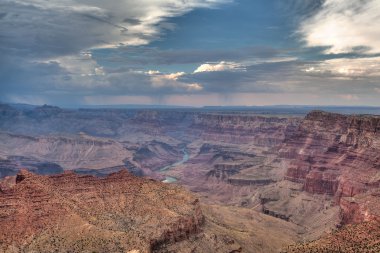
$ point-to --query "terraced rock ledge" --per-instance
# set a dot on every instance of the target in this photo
(76, 213)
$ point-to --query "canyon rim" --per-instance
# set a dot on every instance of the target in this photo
(195, 126)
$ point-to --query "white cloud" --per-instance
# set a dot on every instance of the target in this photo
(221, 66)
(171, 80)
(194, 87)
(153, 72)
(82, 65)
(344, 25)
(174, 76)
(358, 67)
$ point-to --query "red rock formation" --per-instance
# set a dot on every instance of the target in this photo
(321, 182)
(7, 183)
(361, 208)
(73, 213)
(363, 238)
(337, 155)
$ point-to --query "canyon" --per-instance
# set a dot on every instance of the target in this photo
(239, 181)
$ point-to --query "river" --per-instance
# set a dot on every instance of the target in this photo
(185, 157)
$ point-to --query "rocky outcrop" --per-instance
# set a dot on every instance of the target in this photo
(7, 183)
(363, 207)
(73, 213)
(335, 154)
(362, 238)
(275, 214)
(321, 182)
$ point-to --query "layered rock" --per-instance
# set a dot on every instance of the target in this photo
(241, 128)
(75, 139)
(119, 213)
(68, 152)
(239, 174)
(156, 155)
(363, 207)
(243, 181)
(337, 155)
(321, 182)
(224, 171)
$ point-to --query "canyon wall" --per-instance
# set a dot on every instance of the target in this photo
(336, 155)
(68, 151)
(239, 128)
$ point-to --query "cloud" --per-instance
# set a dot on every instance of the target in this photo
(54, 28)
(72, 51)
(47, 46)
(344, 26)
(347, 33)
(159, 80)
(60, 82)
(353, 68)
(221, 66)
(63, 31)
(349, 97)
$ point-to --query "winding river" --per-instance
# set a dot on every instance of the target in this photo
(185, 157)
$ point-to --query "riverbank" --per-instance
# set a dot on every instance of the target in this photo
(184, 159)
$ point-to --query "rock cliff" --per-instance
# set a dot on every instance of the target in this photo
(338, 155)
(70, 152)
(119, 213)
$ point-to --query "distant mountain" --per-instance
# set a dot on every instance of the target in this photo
(128, 106)
(297, 109)
(23, 106)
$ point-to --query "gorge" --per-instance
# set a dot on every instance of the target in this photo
(246, 181)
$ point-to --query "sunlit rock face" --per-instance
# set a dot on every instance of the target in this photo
(73, 213)
(340, 156)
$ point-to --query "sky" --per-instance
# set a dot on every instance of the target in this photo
(190, 52)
